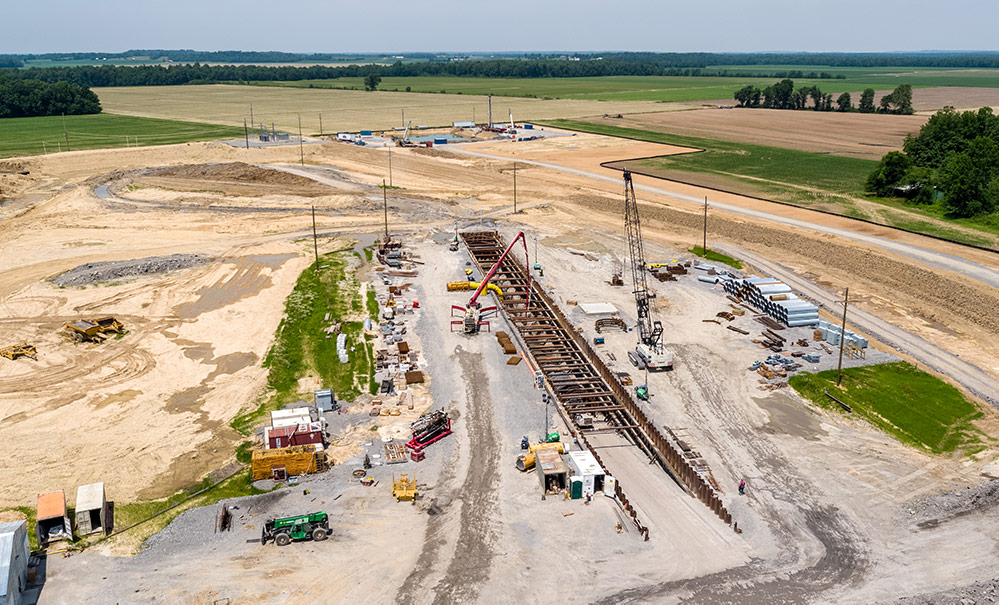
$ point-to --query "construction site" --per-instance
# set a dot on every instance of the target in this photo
(478, 364)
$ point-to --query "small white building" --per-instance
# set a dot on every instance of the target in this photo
(14, 554)
(584, 465)
(292, 417)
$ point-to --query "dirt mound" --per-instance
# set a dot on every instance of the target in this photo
(932, 511)
(15, 166)
(92, 273)
(978, 592)
(238, 172)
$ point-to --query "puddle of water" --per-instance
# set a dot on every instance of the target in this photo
(102, 192)
(188, 400)
(789, 418)
(363, 241)
(247, 281)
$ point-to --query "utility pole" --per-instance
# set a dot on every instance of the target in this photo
(385, 207)
(301, 144)
(44, 151)
(315, 238)
(704, 244)
(390, 166)
(320, 123)
(842, 337)
(65, 132)
(515, 187)
(246, 134)
(251, 114)
(403, 109)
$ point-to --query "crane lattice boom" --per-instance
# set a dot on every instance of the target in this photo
(649, 329)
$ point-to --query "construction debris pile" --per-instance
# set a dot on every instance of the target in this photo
(774, 298)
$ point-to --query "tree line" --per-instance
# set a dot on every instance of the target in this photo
(784, 95)
(664, 60)
(28, 98)
(955, 157)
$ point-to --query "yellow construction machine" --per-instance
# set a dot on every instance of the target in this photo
(94, 330)
(21, 349)
(404, 489)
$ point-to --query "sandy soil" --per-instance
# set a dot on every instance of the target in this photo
(149, 412)
(866, 136)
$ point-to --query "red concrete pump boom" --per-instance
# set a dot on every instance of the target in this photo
(485, 280)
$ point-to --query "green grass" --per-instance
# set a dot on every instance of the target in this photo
(776, 166)
(667, 88)
(25, 136)
(912, 406)
(829, 182)
(28, 512)
(300, 345)
(718, 257)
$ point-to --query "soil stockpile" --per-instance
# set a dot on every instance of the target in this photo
(239, 172)
(92, 273)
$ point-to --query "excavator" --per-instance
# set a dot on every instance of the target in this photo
(474, 316)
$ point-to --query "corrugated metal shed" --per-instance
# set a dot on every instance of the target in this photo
(14, 555)
(91, 509)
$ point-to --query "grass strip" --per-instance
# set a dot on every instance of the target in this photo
(912, 406)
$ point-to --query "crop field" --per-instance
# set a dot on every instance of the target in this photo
(33, 136)
(857, 135)
(815, 180)
(662, 88)
(341, 109)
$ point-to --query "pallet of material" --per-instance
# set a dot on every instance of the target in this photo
(296, 460)
(395, 453)
(414, 377)
(513, 361)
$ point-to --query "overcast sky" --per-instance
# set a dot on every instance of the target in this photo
(514, 25)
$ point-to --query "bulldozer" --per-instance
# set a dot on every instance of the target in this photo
(94, 330)
(313, 526)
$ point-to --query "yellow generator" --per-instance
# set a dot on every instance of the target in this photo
(526, 461)
(404, 489)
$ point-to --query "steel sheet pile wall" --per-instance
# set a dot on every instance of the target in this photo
(580, 381)
(775, 299)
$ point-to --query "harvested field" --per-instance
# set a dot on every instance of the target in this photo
(342, 109)
(866, 136)
(92, 273)
(928, 100)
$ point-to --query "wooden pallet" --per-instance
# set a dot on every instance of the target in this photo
(395, 453)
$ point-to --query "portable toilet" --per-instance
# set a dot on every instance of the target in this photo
(91, 509)
(575, 487)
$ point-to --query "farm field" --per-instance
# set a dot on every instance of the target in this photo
(675, 89)
(33, 136)
(864, 136)
(341, 109)
(814, 180)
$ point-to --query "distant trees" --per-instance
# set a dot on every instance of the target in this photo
(371, 81)
(844, 102)
(866, 104)
(748, 96)
(899, 101)
(954, 153)
(28, 98)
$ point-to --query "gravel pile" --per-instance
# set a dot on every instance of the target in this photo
(972, 594)
(92, 273)
(930, 511)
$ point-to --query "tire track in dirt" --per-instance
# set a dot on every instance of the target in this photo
(468, 566)
(842, 560)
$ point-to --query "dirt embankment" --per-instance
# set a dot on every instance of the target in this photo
(232, 178)
(927, 294)
(15, 178)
